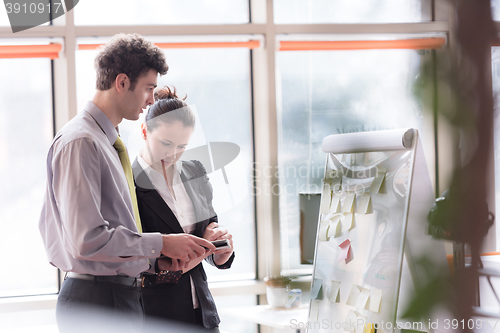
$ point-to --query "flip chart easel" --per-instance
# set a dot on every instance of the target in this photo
(373, 220)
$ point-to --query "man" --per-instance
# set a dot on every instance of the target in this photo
(89, 222)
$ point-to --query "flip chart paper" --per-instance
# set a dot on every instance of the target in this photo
(335, 228)
(375, 300)
(365, 204)
(346, 251)
(335, 292)
(349, 203)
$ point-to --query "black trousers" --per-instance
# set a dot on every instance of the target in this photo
(94, 307)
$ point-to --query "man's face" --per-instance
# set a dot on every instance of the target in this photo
(138, 99)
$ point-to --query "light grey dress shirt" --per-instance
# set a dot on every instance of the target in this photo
(87, 222)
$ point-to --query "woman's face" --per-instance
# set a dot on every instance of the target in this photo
(166, 142)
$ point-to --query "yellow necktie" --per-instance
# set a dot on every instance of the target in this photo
(122, 153)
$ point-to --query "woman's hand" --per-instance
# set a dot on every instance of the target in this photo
(213, 232)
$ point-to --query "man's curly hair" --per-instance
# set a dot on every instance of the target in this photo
(128, 54)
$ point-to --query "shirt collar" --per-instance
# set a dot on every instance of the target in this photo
(149, 170)
(103, 121)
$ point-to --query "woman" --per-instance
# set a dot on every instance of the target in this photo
(176, 197)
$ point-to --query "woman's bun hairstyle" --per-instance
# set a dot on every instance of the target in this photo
(166, 93)
(167, 101)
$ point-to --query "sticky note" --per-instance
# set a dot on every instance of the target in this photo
(375, 300)
(364, 204)
(324, 227)
(350, 321)
(378, 184)
(335, 228)
(326, 199)
(334, 295)
(362, 300)
(314, 311)
(353, 295)
(335, 204)
(346, 251)
(349, 203)
(348, 222)
(360, 323)
(317, 289)
(369, 328)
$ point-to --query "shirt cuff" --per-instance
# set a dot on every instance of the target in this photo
(153, 243)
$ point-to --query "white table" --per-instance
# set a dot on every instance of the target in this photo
(264, 315)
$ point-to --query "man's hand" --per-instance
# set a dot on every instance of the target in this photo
(185, 247)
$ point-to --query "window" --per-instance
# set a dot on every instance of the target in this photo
(219, 88)
(349, 11)
(330, 92)
(27, 131)
(151, 12)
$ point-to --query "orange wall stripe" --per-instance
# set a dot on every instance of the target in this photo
(50, 51)
(413, 44)
(251, 44)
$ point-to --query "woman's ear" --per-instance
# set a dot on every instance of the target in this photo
(144, 131)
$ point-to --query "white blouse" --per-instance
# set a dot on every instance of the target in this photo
(181, 206)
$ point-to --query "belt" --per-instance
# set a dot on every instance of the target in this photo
(117, 279)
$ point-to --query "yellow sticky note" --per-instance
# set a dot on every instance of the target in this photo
(369, 328)
(360, 323)
(350, 321)
(375, 300)
(349, 203)
(323, 231)
(335, 205)
(363, 297)
(326, 199)
(334, 295)
(348, 222)
(365, 204)
(378, 184)
(353, 295)
(314, 311)
(317, 289)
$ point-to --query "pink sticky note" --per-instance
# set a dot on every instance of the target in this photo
(346, 251)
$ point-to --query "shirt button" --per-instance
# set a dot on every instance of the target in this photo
(152, 251)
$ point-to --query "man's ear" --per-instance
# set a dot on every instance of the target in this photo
(122, 82)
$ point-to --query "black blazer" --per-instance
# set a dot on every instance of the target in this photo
(174, 301)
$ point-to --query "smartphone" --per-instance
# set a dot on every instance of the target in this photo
(221, 244)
